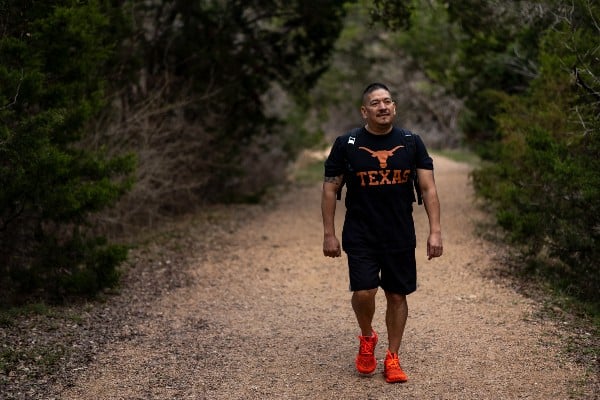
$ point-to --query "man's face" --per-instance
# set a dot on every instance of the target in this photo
(378, 108)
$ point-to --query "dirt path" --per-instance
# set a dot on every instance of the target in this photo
(260, 314)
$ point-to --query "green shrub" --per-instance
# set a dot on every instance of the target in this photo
(55, 59)
(545, 185)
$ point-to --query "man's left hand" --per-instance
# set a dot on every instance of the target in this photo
(434, 245)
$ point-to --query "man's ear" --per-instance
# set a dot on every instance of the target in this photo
(363, 112)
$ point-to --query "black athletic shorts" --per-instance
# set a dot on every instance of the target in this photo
(395, 271)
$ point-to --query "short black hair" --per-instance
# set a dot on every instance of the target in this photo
(373, 87)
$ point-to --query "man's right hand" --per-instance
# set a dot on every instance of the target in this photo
(331, 246)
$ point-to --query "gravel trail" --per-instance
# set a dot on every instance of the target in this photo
(254, 311)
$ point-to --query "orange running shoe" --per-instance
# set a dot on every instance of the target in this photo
(391, 369)
(365, 360)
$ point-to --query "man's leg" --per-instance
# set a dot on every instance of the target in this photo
(395, 319)
(363, 304)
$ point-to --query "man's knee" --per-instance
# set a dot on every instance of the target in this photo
(364, 295)
(395, 298)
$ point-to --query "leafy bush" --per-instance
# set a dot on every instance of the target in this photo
(545, 184)
(55, 56)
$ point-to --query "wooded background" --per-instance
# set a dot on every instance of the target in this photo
(117, 115)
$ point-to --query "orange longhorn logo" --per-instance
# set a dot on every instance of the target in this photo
(381, 155)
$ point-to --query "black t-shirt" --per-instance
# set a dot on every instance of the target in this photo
(379, 192)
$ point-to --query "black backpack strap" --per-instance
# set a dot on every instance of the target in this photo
(349, 144)
(412, 151)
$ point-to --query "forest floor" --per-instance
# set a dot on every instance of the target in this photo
(238, 302)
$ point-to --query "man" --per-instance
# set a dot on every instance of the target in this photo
(378, 235)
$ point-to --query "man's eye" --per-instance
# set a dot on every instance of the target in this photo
(387, 102)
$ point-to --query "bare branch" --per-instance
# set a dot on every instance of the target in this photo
(16, 94)
(584, 85)
(586, 131)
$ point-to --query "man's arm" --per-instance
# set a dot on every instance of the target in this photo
(331, 245)
(432, 207)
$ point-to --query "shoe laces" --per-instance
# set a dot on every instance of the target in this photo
(392, 362)
(366, 346)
